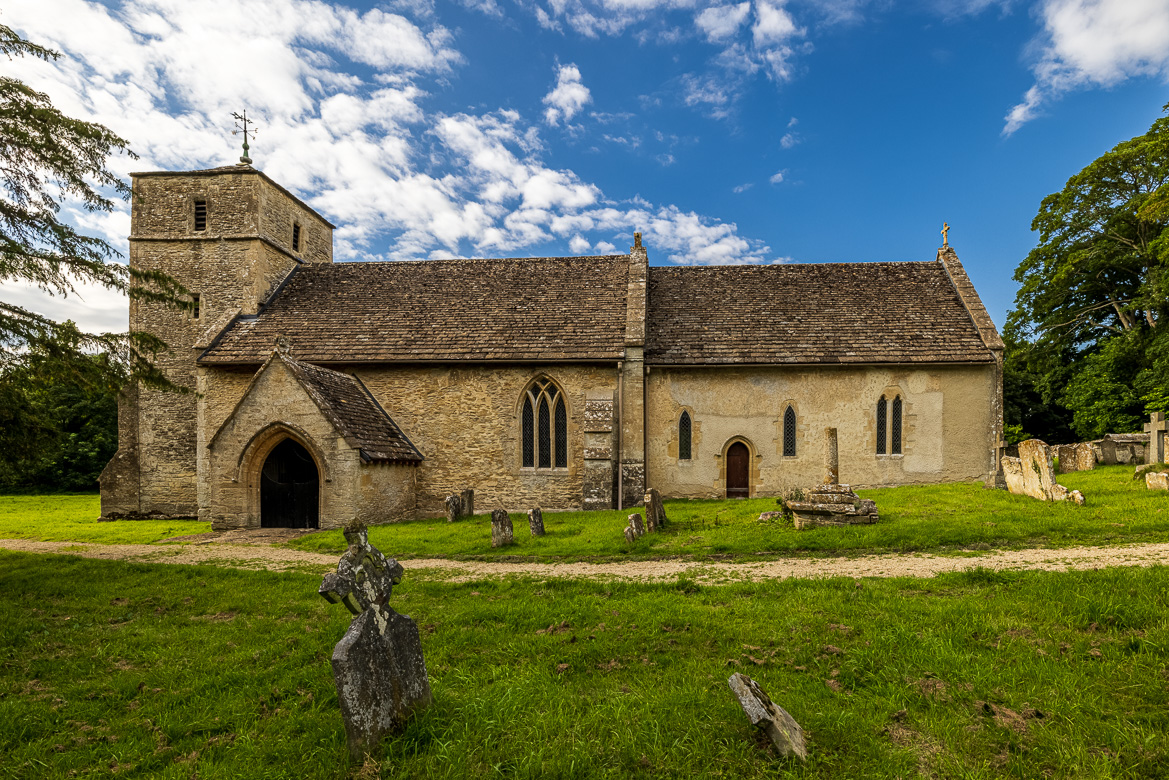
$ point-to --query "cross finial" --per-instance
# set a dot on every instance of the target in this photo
(945, 230)
(247, 127)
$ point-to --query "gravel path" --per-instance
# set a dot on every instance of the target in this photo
(267, 557)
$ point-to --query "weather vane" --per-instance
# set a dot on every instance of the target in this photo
(247, 127)
(945, 230)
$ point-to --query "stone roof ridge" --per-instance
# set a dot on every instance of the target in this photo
(423, 261)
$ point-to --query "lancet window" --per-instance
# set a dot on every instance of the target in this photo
(544, 427)
(882, 425)
(684, 433)
(789, 433)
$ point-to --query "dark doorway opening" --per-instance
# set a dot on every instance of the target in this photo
(289, 488)
(738, 471)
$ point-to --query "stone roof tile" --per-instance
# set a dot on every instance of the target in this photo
(553, 308)
(809, 313)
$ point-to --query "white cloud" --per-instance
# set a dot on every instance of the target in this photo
(722, 21)
(400, 180)
(789, 140)
(743, 187)
(568, 97)
(773, 25)
(1094, 43)
(778, 177)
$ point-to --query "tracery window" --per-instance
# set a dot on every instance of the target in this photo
(882, 424)
(684, 432)
(895, 439)
(544, 427)
(789, 433)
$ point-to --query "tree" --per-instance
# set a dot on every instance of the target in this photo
(58, 417)
(1089, 317)
(46, 158)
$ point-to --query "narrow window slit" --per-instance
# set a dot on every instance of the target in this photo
(200, 215)
(789, 433)
(684, 433)
(882, 424)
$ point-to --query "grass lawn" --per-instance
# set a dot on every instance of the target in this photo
(74, 518)
(178, 672)
(1120, 510)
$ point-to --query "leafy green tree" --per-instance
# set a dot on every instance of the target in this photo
(47, 158)
(1089, 317)
(58, 416)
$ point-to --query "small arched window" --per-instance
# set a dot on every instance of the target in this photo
(544, 427)
(684, 436)
(895, 438)
(882, 424)
(789, 433)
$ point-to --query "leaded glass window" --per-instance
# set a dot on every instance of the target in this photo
(895, 444)
(789, 433)
(544, 427)
(684, 436)
(561, 434)
(882, 424)
(528, 434)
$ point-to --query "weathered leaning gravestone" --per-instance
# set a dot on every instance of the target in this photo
(378, 665)
(769, 717)
(1031, 474)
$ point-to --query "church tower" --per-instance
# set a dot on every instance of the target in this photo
(229, 235)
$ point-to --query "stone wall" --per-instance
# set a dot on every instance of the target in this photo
(233, 266)
(277, 407)
(946, 420)
(466, 424)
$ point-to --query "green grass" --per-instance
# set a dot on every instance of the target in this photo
(74, 518)
(178, 672)
(926, 518)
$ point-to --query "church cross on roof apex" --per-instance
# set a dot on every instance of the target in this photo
(247, 128)
(945, 230)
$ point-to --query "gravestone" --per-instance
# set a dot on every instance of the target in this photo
(1032, 474)
(454, 508)
(536, 521)
(501, 530)
(378, 665)
(636, 527)
(1155, 427)
(468, 501)
(1078, 457)
(1157, 480)
(830, 505)
(655, 512)
(769, 717)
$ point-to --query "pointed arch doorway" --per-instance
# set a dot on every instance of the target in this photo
(738, 471)
(290, 488)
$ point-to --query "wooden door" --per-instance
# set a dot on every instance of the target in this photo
(738, 471)
(289, 488)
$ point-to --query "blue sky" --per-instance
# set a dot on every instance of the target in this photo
(761, 131)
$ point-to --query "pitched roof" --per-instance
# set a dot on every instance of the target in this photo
(360, 420)
(809, 313)
(529, 309)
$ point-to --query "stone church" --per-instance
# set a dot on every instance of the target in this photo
(329, 391)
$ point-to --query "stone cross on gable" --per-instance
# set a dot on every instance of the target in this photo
(364, 577)
(1156, 427)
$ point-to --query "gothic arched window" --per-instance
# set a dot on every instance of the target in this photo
(684, 431)
(789, 433)
(895, 439)
(882, 424)
(544, 427)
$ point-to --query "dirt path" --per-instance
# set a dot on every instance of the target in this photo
(267, 557)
